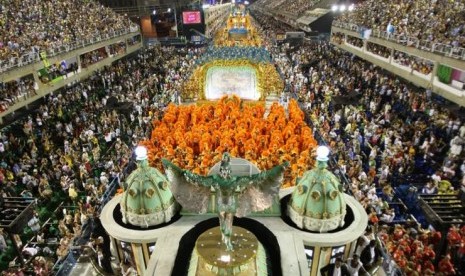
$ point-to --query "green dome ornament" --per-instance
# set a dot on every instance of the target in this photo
(317, 203)
(147, 200)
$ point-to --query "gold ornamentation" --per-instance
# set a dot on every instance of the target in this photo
(333, 194)
(316, 195)
(163, 185)
(132, 192)
(149, 192)
(268, 78)
(209, 250)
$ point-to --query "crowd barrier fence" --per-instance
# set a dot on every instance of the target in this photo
(16, 62)
(424, 45)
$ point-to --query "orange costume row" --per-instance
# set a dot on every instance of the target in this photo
(194, 137)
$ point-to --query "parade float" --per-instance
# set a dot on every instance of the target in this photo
(237, 63)
(233, 188)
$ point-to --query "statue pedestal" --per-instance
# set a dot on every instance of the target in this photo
(211, 258)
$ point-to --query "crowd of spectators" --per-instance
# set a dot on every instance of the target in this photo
(15, 91)
(417, 64)
(270, 28)
(357, 42)
(270, 4)
(338, 38)
(92, 57)
(385, 132)
(79, 141)
(117, 48)
(29, 27)
(440, 21)
(379, 50)
(295, 8)
(134, 40)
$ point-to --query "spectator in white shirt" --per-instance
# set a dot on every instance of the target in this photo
(355, 266)
(336, 269)
(436, 177)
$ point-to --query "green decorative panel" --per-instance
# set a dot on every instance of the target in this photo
(273, 211)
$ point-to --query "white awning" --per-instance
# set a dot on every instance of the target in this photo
(306, 20)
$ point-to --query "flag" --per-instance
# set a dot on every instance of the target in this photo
(390, 28)
(366, 34)
(64, 64)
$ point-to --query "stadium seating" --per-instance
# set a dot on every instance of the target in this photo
(32, 26)
(438, 21)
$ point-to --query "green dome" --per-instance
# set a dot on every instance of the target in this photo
(147, 199)
(317, 203)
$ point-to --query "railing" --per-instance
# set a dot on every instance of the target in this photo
(425, 45)
(68, 264)
(109, 193)
(65, 265)
(388, 264)
(86, 42)
(15, 62)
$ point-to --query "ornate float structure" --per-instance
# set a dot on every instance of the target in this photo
(191, 243)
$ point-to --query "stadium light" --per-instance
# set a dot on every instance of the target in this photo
(141, 153)
(154, 12)
(322, 153)
(342, 7)
(169, 9)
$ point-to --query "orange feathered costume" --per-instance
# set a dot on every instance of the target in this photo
(194, 137)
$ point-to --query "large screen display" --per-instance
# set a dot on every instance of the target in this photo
(228, 80)
(191, 17)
